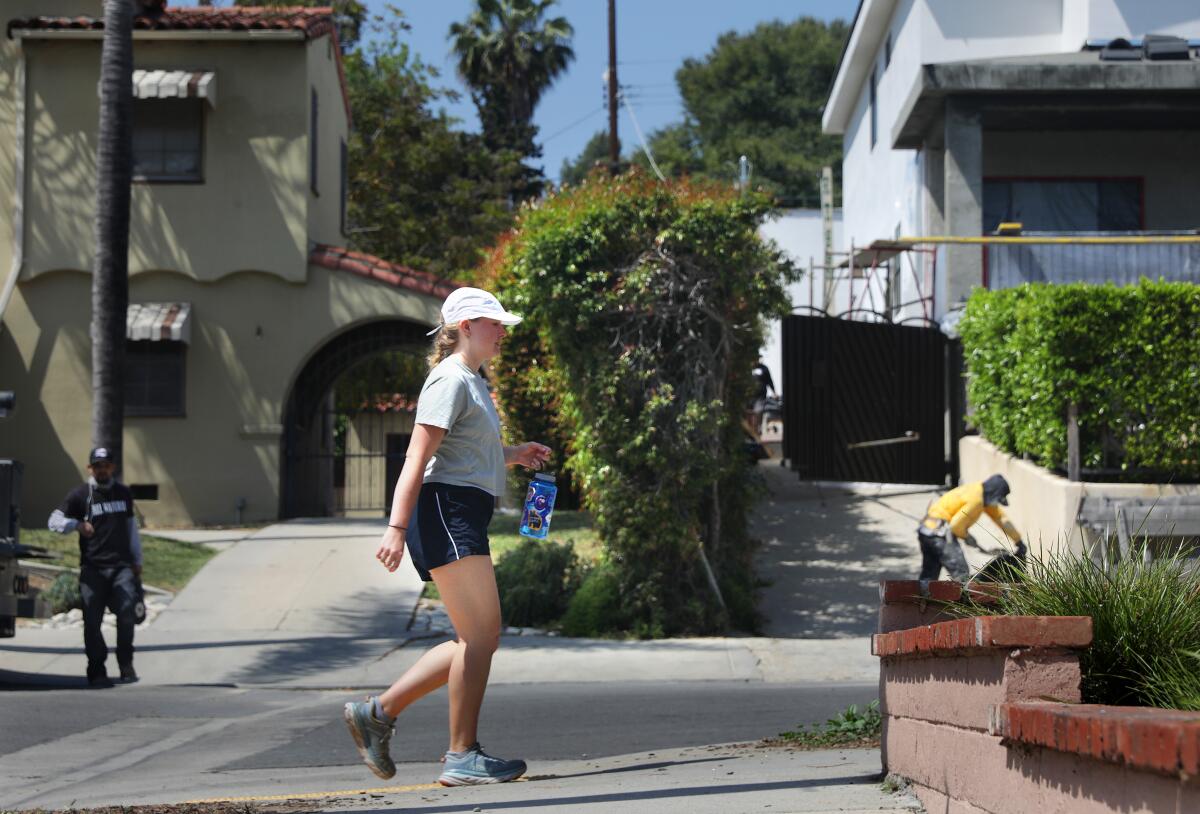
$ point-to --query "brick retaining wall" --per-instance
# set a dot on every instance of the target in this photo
(983, 715)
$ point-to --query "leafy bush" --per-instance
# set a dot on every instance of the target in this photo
(595, 609)
(536, 581)
(1126, 356)
(644, 309)
(1145, 622)
(63, 594)
(848, 727)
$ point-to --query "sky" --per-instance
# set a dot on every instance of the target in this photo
(653, 39)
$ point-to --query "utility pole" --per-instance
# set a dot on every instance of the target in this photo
(614, 143)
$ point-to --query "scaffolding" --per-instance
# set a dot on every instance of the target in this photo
(872, 280)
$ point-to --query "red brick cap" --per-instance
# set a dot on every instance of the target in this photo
(985, 632)
(375, 268)
(1158, 740)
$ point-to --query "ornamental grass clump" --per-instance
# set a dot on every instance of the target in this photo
(1145, 621)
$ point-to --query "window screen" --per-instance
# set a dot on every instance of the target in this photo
(168, 139)
(1064, 205)
(155, 377)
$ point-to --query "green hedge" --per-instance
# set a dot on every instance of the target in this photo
(645, 307)
(1128, 357)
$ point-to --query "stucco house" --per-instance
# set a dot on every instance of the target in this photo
(1072, 117)
(244, 307)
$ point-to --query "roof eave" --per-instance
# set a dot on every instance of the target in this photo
(870, 25)
(171, 34)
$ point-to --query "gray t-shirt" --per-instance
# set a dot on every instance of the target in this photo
(456, 399)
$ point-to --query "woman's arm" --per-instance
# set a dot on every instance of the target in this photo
(530, 455)
(424, 443)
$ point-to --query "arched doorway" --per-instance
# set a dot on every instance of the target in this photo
(344, 431)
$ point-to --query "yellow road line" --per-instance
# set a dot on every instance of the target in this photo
(315, 795)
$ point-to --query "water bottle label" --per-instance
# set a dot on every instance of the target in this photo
(539, 506)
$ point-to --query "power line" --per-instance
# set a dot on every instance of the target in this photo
(573, 124)
(638, 129)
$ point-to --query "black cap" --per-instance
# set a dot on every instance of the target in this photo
(100, 454)
(995, 490)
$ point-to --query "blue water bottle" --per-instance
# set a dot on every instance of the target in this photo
(539, 505)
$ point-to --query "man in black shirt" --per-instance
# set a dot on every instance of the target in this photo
(110, 561)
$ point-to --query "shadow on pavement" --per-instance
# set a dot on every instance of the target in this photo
(14, 680)
(639, 767)
(825, 549)
(647, 795)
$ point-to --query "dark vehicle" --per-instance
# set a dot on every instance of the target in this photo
(16, 597)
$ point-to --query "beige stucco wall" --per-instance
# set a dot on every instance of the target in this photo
(1042, 505)
(251, 335)
(253, 211)
(324, 208)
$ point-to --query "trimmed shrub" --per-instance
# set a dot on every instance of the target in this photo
(63, 594)
(1128, 357)
(536, 581)
(595, 609)
(645, 306)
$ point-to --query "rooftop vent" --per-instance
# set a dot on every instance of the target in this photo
(1160, 47)
(1121, 50)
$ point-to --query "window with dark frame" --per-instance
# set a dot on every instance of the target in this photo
(168, 140)
(155, 378)
(1064, 204)
(312, 144)
(873, 105)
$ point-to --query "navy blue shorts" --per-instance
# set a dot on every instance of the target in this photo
(449, 523)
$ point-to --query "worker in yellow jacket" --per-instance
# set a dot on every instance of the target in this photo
(949, 520)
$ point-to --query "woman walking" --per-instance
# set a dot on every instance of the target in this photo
(441, 508)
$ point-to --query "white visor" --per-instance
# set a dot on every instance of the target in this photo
(473, 303)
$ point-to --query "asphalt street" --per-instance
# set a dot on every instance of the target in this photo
(60, 748)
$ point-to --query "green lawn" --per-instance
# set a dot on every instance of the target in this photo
(565, 527)
(167, 564)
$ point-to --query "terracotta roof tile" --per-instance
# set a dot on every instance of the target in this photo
(375, 268)
(313, 22)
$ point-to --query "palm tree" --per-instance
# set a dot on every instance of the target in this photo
(509, 56)
(110, 275)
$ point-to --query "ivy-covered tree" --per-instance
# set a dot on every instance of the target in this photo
(421, 192)
(645, 305)
(760, 95)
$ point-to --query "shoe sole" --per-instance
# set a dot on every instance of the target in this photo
(348, 717)
(476, 780)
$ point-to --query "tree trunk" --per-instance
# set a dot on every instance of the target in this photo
(110, 274)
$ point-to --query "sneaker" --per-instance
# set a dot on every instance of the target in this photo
(371, 736)
(128, 675)
(475, 767)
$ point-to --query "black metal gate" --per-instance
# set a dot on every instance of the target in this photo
(348, 421)
(870, 401)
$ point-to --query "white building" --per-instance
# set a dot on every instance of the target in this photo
(799, 233)
(959, 114)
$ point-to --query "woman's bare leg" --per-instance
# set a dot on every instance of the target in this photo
(468, 587)
(429, 672)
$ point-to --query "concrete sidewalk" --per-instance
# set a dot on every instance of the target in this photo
(826, 546)
(304, 604)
